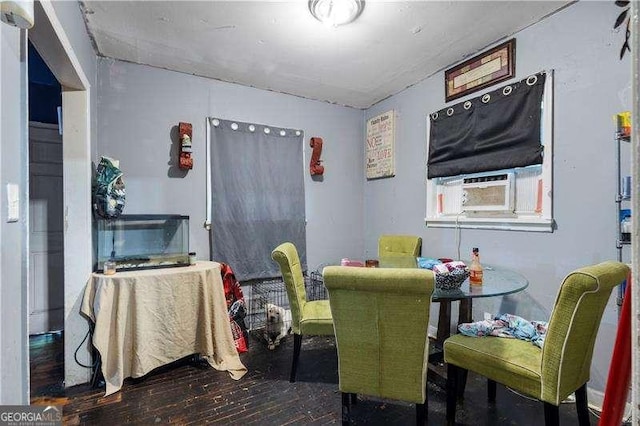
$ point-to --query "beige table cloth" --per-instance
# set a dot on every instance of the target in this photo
(145, 319)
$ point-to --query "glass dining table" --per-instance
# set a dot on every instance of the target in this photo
(497, 281)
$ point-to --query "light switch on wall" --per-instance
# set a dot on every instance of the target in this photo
(13, 202)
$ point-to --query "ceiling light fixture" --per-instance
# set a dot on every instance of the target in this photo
(18, 13)
(336, 12)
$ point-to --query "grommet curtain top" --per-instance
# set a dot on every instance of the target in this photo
(253, 128)
(498, 130)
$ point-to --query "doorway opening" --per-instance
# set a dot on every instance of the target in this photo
(46, 230)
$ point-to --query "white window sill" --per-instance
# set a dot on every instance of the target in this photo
(531, 224)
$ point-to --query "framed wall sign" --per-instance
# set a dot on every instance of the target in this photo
(379, 159)
(482, 70)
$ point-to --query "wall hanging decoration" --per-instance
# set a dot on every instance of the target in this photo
(495, 131)
(380, 158)
(481, 71)
(108, 189)
(314, 166)
(185, 161)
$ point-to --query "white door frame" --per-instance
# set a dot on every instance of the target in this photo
(52, 43)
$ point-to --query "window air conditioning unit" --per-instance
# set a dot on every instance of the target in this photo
(489, 193)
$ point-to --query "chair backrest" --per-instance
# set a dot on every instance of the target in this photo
(381, 318)
(399, 245)
(287, 257)
(573, 326)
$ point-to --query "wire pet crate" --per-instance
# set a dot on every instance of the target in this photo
(274, 291)
(314, 285)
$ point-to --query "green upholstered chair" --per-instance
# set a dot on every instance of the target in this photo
(399, 245)
(307, 317)
(561, 367)
(381, 317)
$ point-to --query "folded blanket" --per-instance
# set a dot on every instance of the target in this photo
(509, 326)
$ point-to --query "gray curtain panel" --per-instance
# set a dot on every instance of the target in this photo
(257, 186)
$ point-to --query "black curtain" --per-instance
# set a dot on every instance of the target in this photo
(498, 130)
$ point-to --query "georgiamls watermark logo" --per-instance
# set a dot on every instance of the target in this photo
(30, 415)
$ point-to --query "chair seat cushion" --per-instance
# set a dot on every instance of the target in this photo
(512, 362)
(316, 318)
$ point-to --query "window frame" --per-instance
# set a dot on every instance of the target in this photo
(542, 222)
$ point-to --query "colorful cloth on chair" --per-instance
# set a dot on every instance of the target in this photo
(509, 326)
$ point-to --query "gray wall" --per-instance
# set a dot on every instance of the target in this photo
(14, 368)
(139, 106)
(591, 85)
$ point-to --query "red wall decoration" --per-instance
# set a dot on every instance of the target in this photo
(314, 166)
(185, 161)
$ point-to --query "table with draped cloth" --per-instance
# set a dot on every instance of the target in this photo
(148, 318)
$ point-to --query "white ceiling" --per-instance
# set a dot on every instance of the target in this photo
(279, 46)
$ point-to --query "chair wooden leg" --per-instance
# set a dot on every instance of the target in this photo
(582, 406)
(551, 415)
(452, 393)
(422, 413)
(462, 382)
(346, 408)
(297, 343)
(491, 391)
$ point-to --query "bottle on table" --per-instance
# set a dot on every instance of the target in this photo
(475, 270)
(625, 228)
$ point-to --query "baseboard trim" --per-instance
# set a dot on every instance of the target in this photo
(596, 401)
(432, 332)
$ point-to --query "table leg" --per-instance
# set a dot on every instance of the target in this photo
(465, 315)
(444, 331)
(444, 325)
(444, 321)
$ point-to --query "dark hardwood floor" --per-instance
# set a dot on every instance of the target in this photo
(46, 352)
(191, 392)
